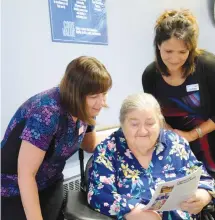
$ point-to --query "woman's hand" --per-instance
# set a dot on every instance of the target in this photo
(197, 202)
(188, 135)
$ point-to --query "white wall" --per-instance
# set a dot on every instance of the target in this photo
(32, 63)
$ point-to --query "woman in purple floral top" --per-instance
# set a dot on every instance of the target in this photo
(129, 164)
(44, 132)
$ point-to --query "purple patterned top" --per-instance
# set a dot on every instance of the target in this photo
(42, 121)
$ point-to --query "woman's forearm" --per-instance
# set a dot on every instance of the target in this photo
(30, 198)
(206, 127)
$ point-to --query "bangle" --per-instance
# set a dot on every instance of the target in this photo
(199, 132)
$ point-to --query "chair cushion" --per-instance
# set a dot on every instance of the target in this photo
(77, 208)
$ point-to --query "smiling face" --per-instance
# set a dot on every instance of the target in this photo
(174, 54)
(95, 103)
(141, 129)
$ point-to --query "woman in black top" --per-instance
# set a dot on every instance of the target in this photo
(182, 78)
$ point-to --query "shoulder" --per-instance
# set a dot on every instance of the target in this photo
(46, 102)
(109, 144)
(148, 77)
(41, 112)
(170, 138)
(105, 152)
(206, 59)
(49, 97)
(113, 143)
(150, 69)
(174, 147)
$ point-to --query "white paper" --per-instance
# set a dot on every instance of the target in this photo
(169, 195)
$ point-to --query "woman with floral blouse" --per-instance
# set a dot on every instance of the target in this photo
(129, 164)
(46, 130)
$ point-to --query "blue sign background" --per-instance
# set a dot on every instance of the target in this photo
(78, 21)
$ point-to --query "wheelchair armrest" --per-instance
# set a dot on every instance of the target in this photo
(77, 208)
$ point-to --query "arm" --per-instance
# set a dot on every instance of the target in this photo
(205, 192)
(89, 142)
(102, 194)
(103, 133)
(206, 127)
(29, 161)
(184, 158)
(36, 138)
(93, 138)
(197, 202)
(190, 162)
(208, 63)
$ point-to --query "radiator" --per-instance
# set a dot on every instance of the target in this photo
(71, 184)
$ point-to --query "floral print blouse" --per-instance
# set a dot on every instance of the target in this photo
(43, 122)
(117, 181)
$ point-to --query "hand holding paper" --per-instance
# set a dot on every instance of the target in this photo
(170, 195)
(197, 202)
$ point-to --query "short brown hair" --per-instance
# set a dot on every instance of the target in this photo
(84, 76)
(182, 25)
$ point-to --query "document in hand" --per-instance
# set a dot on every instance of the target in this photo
(169, 195)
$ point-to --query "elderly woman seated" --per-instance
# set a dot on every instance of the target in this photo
(129, 164)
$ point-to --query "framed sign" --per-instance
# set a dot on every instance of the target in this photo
(214, 12)
(78, 21)
(211, 10)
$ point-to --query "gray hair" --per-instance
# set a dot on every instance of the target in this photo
(140, 101)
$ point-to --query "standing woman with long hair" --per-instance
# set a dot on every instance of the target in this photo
(182, 78)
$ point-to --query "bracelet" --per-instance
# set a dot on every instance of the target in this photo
(199, 132)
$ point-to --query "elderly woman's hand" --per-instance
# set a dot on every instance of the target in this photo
(197, 202)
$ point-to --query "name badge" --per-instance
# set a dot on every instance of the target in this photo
(193, 87)
(81, 130)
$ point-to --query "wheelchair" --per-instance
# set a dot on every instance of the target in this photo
(77, 207)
